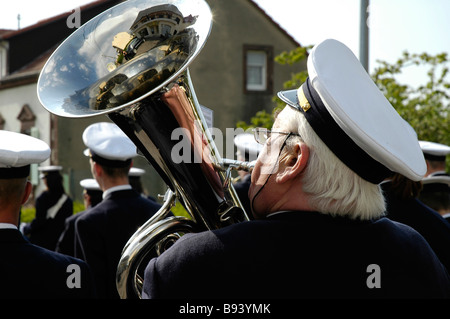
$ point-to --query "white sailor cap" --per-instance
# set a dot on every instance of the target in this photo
(353, 118)
(247, 146)
(18, 151)
(108, 145)
(50, 169)
(90, 184)
(436, 183)
(434, 151)
(437, 179)
(136, 172)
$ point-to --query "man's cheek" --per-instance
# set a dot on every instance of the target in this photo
(268, 161)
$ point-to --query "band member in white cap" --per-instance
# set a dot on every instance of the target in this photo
(435, 156)
(436, 194)
(134, 176)
(104, 230)
(28, 271)
(315, 191)
(92, 195)
(53, 206)
(436, 184)
(404, 205)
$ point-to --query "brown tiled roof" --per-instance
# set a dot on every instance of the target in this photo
(37, 64)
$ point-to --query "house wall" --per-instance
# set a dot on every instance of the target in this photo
(11, 102)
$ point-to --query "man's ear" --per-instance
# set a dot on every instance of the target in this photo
(98, 169)
(26, 194)
(295, 164)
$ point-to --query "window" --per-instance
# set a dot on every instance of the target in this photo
(258, 68)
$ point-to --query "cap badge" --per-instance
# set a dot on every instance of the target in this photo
(303, 101)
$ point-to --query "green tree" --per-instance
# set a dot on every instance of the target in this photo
(426, 107)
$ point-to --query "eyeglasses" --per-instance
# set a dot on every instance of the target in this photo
(262, 134)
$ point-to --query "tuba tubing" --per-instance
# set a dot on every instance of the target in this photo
(155, 232)
(131, 64)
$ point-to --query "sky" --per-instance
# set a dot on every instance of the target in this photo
(395, 26)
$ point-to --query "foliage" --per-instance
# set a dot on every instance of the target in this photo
(294, 56)
(179, 210)
(261, 119)
(78, 207)
(27, 214)
(427, 107)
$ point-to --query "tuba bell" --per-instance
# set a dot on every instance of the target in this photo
(130, 63)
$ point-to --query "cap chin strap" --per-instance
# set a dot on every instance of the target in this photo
(273, 171)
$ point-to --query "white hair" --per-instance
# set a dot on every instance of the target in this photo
(333, 188)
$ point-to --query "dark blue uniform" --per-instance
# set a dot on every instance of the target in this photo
(429, 223)
(28, 271)
(299, 255)
(67, 243)
(44, 231)
(104, 230)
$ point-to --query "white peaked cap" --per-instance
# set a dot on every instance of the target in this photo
(18, 149)
(135, 171)
(45, 170)
(90, 184)
(50, 168)
(353, 117)
(108, 141)
(437, 179)
(434, 149)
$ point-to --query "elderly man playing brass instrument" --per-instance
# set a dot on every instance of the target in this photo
(319, 230)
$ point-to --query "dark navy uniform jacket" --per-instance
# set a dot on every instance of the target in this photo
(66, 243)
(428, 222)
(28, 271)
(103, 231)
(299, 255)
(44, 231)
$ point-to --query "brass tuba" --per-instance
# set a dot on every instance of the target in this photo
(131, 64)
